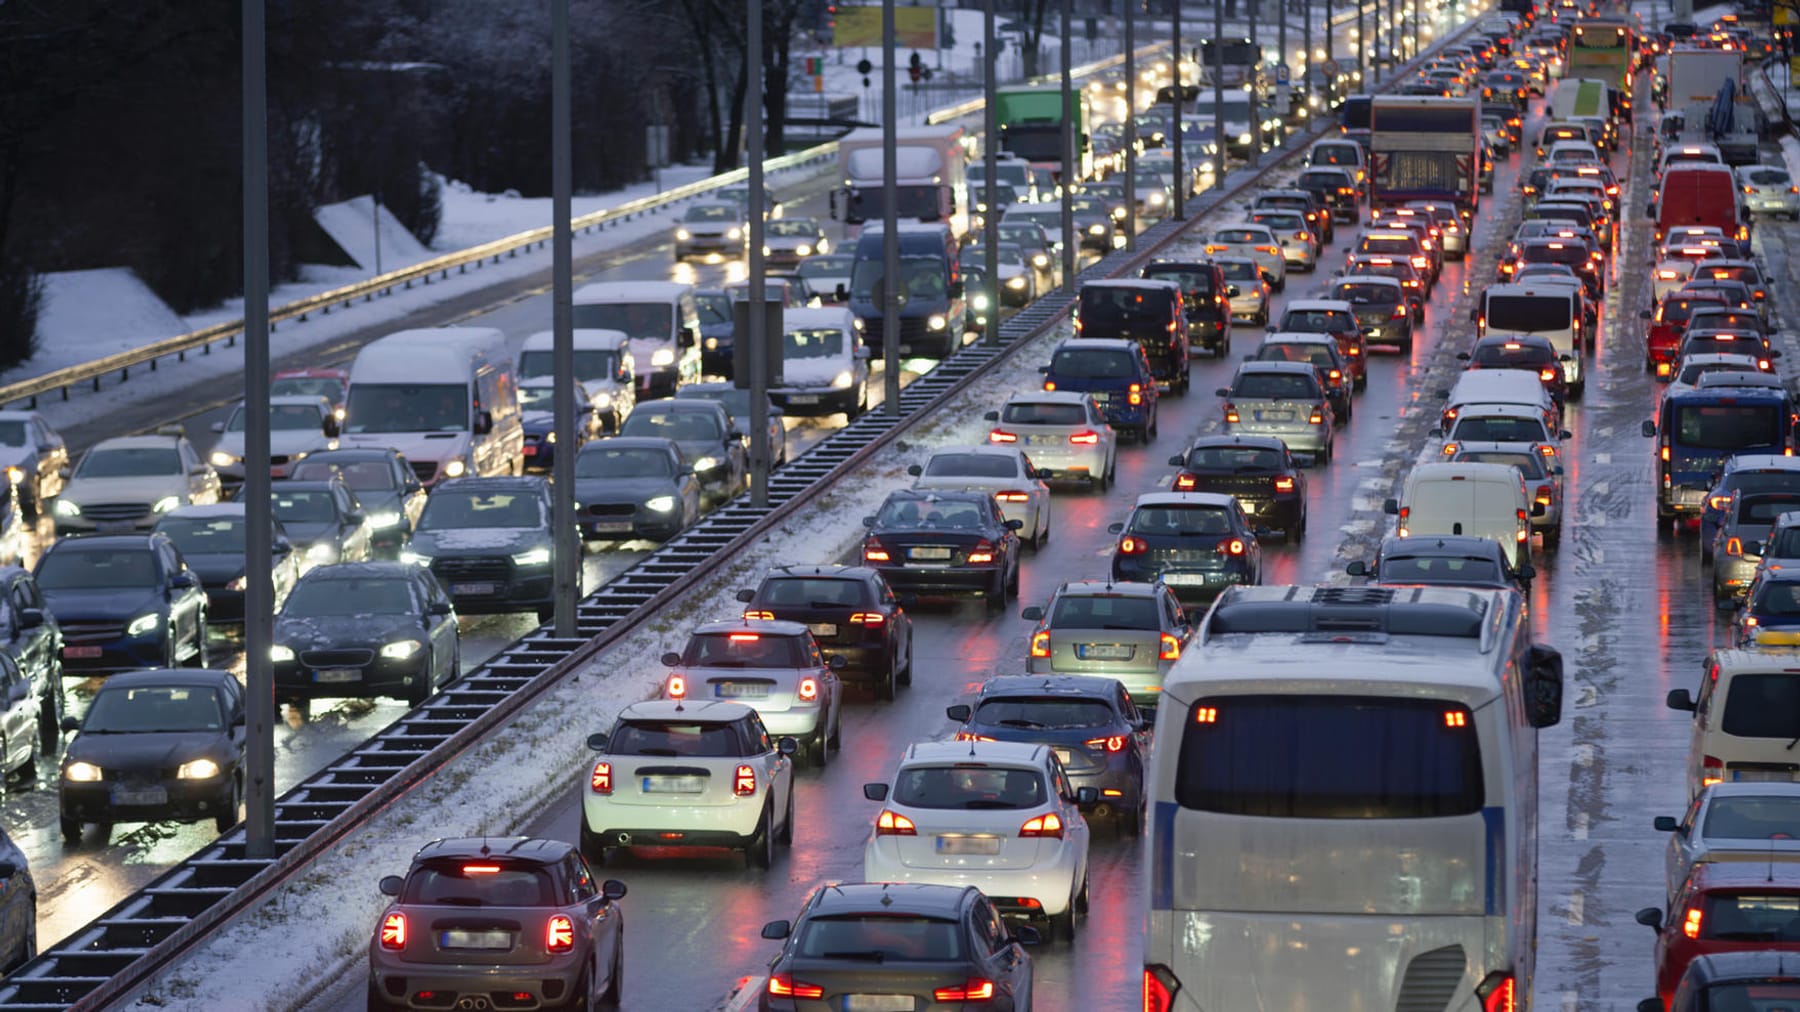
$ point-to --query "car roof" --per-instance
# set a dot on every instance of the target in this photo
(493, 483)
(200, 511)
(889, 898)
(1050, 397)
(1098, 344)
(383, 568)
(820, 316)
(1300, 337)
(631, 443)
(1498, 446)
(980, 449)
(1017, 753)
(1319, 306)
(770, 627)
(666, 404)
(1440, 544)
(1147, 284)
(1108, 588)
(1219, 499)
(1091, 686)
(1535, 340)
(937, 495)
(1761, 462)
(1261, 442)
(1275, 367)
(827, 571)
(1364, 279)
(1736, 875)
(1754, 965)
(512, 848)
(167, 676)
(354, 453)
(155, 439)
(113, 541)
(712, 711)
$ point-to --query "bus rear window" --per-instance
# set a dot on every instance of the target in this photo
(1728, 426)
(1330, 757)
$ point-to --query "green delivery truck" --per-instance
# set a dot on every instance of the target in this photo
(1030, 121)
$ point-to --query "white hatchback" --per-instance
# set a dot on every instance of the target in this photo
(996, 815)
(1768, 189)
(1007, 472)
(1065, 432)
(1257, 242)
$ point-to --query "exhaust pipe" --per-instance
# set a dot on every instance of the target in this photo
(474, 1002)
(624, 839)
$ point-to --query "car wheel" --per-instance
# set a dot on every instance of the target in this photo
(1012, 589)
(376, 1002)
(419, 690)
(71, 830)
(760, 852)
(818, 750)
(1132, 823)
(202, 654)
(1151, 429)
(581, 997)
(28, 948)
(50, 716)
(906, 667)
(884, 688)
(223, 821)
(1262, 319)
(1062, 926)
(591, 847)
(786, 837)
(995, 597)
(614, 995)
(1043, 534)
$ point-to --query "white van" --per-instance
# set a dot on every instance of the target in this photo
(445, 397)
(1519, 387)
(1476, 500)
(603, 367)
(1344, 792)
(1746, 718)
(661, 319)
(1550, 311)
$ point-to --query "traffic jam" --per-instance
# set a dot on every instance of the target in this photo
(1085, 719)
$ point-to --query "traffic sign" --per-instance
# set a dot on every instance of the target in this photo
(1282, 73)
(1330, 67)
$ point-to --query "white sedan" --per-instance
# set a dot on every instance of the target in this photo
(996, 815)
(1065, 432)
(1258, 242)
(1006, 472)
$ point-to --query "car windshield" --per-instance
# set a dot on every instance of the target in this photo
(145, 709)
(360, 475)
(1115, 304)
(540, 399)
(1240, 270)
(1037, 413)
(925, 277)
(1092, 363)
(793, 228)
(1756, 916)
(204, 535)
(1498, 429)
(407, 407)
(590, 363)
(881, 937)
(1275, 386)
(1240, 235)
(1106, 611)
(1317, 321)
(1762, 176)
(602, 461)
(1749, 817)
(130, 462)
(1530, 465)
(736, 402)
(453, 510)
(483, 882)
(1439, 569)
(1235, 459)
(358, 595)
(282, 418)
(304, 507)
(653, 321)
(745, 649)
(714, 212)
(968, 786)
(947, 514)
(815, 342)
(677, 425)
(308, 386)
(813, 592)
(1039, 713)
(1183, 521)
(1728, 426)
(972, 465)
(1365, 294)
(75, 568)
(713, 307)
(834, 265)
(674, 738)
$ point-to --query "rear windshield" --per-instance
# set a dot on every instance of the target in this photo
(1753, 997)
(1785, 544)
(1692, 373)
(1085, 611)
(814, 592)
(1317, 321)
(1275, 386)
(1761, 176)
(1040, 713)
(1330, 757)
(1498, 429)
(1764, 706)
(1044, 414)
(1751, 917)
(1727, 426)
(1747, 817)
(1287, 351)
(1093, 363)
(969, 786)
(1529, 314)
(1530, 465)
(1179, 520)
(745, 650)
(1512, 356)
(478, 883)
(1398, 245)
(674, 738)
(971, 465)
(895, 938)
(1367, 294)
(1554, 253)
(1438, 569)
(1106, 304)
(1235, 459)
(1764, 509)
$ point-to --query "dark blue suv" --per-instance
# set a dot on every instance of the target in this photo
(1118, 375)
(1196, 543)
(124, 601)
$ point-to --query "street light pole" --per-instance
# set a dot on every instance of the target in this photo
(891, 286)
(1131, 137)
(1068, 158)
(1180, 184)
(259, 587)
(565, 547)
(1221, 141)
(758, 330)
(990, 194)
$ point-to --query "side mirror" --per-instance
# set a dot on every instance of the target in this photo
(184, 581)
(1774, 352)
(1648, 429)
(218, 426)
(1391, 507)
(331, 426)
(1087, 795)
(959, 713)
(1270, 329)
(842, 293)
(1543, 687)
(837, 662)
(671, 659)
(31, 618)
(1650, 917)
(1115, 528)
(1025, 934)
(1462, 356)
(875, 792)
(1527, 571)
(597, 741)
(1643, 314)
(1032, 614)
(992, 416)
(1680, 699)
(439, 608)
(1538, 509)
(1666, 824)
(8, 869)
(1043, 474)
(612, 889)
(1014, 525)
(484, 423)
(1565, 358)
(412, 486)
(391, 885)
(1231, 291)
(71, 723)
(1223, 392)
(786, 745)
(1474, 314)
(746, 595)
(1176, 461)
(1357, 568)
(733, 433)
(775, 931)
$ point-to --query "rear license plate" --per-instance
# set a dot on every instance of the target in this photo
(1185, 579)
(472, 588)
(140, 796)
(674, 785)
(803, 399)
(928, 553)
(457, 939)
(81, 652)
(740, 690)
(824, 629)
(530, 451)
(968, 845)
(612, 526)
(1043, 440)
(1249, 507)
(1762, 776)
(1104, 651)
(878, 1003)
(338, 675)
(1274, 416)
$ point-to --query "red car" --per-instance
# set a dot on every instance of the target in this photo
(1666, 325)
(1725, 907)
(331, 384)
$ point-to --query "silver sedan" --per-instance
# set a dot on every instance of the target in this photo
(1739, 821)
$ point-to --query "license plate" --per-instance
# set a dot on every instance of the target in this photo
(611, 526)
(81, 652)
(140, 796)
(1274, 416)
(1104, 651)
(878, 1003)
(928, 553)
(114, 526)
(674, 785)
(1762, 776)
(530, 451)
(1249, 507)
(1185, 579)
(803, 399)
(1043, 440)
(338, 675)
(740, 690)
(456, 939)
(968, 845)
(472, 588)
(824, 629)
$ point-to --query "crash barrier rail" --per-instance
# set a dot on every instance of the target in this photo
(125, 947)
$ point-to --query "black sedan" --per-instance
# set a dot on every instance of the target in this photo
(634, 487)
(324, 520)
(124, 601)
(18, 907)
(1443, 560)
(382, 481)
(944, 543)
(852, 614)
(30, 636)
(156, 746)
(1258, 471)
(710, 441)
(365, 629)
(943, 946)
(488, 541)
(1099, 735)
(211, 540)
(1197, 543)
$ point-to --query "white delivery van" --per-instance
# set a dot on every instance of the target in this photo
(1550, 311)
(602, 366)
(445, 397)
(1344, 803)
(1519, 387)
(660, 318)
(1745, 719)
(1475, 500)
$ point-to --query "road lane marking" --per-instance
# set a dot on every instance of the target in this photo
(1578, 828)
(1577, 908)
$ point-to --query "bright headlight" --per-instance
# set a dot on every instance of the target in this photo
(143, 624)
(237, 584)
(682, 234)
(1096, 229)
(197, 769)
(706, 464)
(416, 558)
(82, 773)
(765, 251)
(662, 356)
(222, 459)
(455, 469)
(735, 233)
(65, 508)
(712, 344)
(936, 322)
(550, 437)
(400, 650)
(1119, 213)
(803, 250)
(322, 554)
(661, 503)
(280, 654)
(165, 504)
(1156, 198)
(1040, 260)
(1243, 138)
(532, 557)
(1015, 283)
(15, 474)
(843, 380)
(603, 399)
(981, 302)
(384, 520)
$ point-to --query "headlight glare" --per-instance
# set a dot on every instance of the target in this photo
(143, 624)
(1015, 283)
(322, 554)
(455, 469)
(165, 504)
(843, 379)
(682, 234)
(660, 504)
(935, 322)
(705, 464)
(280, 654)
(384, 519)
(82, 773)
(65, 508)
(197, 769)
(532, 557)
(222, 459)
(662, 357)
(400, 650)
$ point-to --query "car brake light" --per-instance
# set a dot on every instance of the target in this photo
(782, 985)
(393, 931)
(1159, 989)
(1712, 770)
(874, 551)
(1547, 374)
(1734, 546)
(1047, 824)
(809, 690)
(868, 618)
(1129, 545)
(1114, 743)
(601, 781)
(1184, 483)
(1049, 384)
(759, 616)
(1334, 375)
(1171, 651)
(1420, 262)
(1498, 993)
(1234, 546)
(1040, 644)
(1231, 412)
(1690, 922)
(677, 687)
(559, 934)
(1271, 250)
(1284, 484)
(1012, 496)
(1086, 437)
(997, 436)
(743, 782)
(982, 552)
(1399, 312)
(1719, 502)
(1135, 394)
(892, 823)
(975, 989)
(1317, 417)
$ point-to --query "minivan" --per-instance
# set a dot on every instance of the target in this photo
(662, 321)
(1205, 298)
(1551, 311)
(1745, 719)
(1149, 312)
(445, 397)
(932, 320)
(1478, 500)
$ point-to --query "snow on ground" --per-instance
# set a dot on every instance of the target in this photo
(350, 224)
(92, 314)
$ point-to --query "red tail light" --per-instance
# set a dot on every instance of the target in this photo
(1012, 496)
(1047, 824)
(1136, 394)
(875, 551)
(892, 823)
(393, 931)
(1546, 374)
(1184, 483)
(1399, 312)
(998, 436)
(743, 782)
(1171, 650)
(975, 989)
(783, 985)
(759, 616)
(1317, 417)
(1690, 922)
(982, 552)
(1498, 993)
(1086, 438)
(1712, 770)
(677, 687)
(601, 780)
(1231, 412)
(1159, 989)
(559, 934)
(1111, 743)
(1129, 545)
(866, 618)
(1734, 546)
(1233, 547)
(1284, 484)
(1420, 262)
(809, 690)
(1040, 644)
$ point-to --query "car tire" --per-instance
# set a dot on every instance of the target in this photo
(885, 686)
(1552, 537)
(995, 597)
(760, 851)
(818, 750)
(614, 995)
(376, 1002)
(420, 691)
(906, 668)
(71, 830)
(1133, 823)
(1012, 588)
(1261, 320)
(28, 947)
(786, 836)
(223, 821)
(50, 711)
(1043, 535)
(581, 997)
(597, 853)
